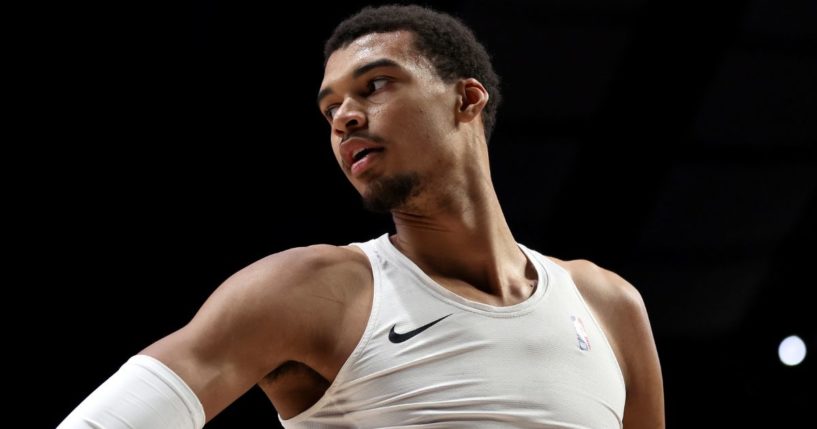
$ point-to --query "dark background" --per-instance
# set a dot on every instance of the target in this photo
(671, 142)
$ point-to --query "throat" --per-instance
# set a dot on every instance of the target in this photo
(495, 276)
(504, 295)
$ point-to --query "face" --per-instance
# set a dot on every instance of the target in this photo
(391, 119)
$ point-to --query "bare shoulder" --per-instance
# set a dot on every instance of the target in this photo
(288, 306)
(620, 309)
(604, 290)
(302, 268)
(286, 289)
(306, 288)
(313, 287)
(306, 261)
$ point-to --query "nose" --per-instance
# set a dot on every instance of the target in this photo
(349, 117)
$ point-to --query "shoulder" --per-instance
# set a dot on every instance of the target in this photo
(281, 299)
(290, 305)
(316, 285)
(602, 287)
(615, 303)
(295, 270)
(311, 259)
(301, 288)
(620, 309)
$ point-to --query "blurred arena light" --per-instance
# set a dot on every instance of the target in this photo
(792, 350)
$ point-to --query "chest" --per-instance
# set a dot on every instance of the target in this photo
(558, 347)
(434, 359)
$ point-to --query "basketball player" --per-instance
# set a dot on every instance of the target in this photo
(448, 323)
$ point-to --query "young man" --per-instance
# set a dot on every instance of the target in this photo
(447, 323)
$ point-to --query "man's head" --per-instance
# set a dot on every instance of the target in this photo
(442, 39)
(408, 123)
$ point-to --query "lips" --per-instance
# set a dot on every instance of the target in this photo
(356, 153)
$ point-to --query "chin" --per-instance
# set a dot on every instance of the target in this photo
(385, 194)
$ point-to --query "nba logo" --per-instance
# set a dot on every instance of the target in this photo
(581, 334)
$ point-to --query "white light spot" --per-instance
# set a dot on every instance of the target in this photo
(792, 350)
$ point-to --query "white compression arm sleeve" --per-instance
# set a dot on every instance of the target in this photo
(143, 394)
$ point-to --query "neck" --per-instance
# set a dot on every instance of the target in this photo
(465, 242)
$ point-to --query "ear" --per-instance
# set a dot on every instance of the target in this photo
(472, 99)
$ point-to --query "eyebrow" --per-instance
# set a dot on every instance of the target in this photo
(383, 62)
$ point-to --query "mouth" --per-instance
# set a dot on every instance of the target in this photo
(363, 152)
(357, 153)
(362, 159)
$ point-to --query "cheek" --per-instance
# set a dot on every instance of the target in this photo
(423, 122)
(402, 114)
(334, 144)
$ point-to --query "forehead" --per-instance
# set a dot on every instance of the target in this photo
(396, 46)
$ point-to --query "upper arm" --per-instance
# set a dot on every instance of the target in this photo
(620, 309)
(249, 326)
(644, 407)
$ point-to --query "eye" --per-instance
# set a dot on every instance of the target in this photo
(330, 112)
(376, 84)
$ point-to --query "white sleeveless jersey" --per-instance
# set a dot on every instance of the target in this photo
(429, 358)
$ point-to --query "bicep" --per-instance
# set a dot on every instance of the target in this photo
(237, 337)
(644, 406)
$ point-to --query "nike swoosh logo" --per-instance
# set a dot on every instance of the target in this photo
(399, 338)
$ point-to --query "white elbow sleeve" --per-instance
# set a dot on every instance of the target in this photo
(143, 394)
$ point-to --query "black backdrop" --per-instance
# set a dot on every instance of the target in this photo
(671, 143)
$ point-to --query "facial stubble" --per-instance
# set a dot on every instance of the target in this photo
(388, 193)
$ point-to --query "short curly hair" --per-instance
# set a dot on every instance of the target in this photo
(443, 39)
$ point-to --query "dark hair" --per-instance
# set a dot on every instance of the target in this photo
(442, 39)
